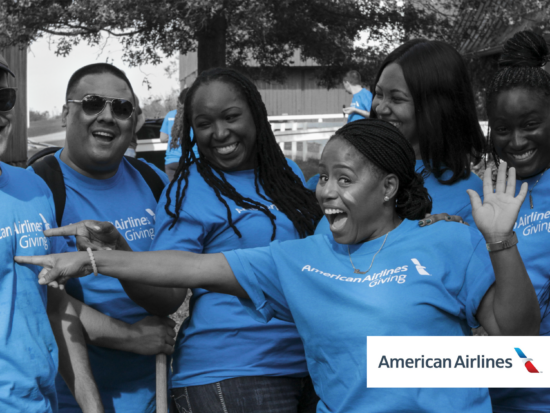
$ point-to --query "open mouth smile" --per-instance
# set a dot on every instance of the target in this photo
(524, 155)
(103, 135)
(336, 218)
(226, 150)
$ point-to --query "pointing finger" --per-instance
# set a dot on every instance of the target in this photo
(42, 260)
(71, 229)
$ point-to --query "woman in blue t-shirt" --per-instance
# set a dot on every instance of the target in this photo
(518, 107)
(423, 89)
(240, 192)
(379, 273)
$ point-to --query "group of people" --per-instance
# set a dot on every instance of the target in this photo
(286, 283)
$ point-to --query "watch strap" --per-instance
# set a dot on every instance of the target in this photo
(502, 245)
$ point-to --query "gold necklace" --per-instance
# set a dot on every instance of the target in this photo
(357, 270)
(531, 190)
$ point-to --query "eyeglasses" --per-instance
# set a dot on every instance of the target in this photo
(94, 105)
(7, 98)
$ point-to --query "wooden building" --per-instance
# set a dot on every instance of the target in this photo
(16, 151)
(299, 94)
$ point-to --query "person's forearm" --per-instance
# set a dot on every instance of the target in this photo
(176, 269)
(163, 137)
(159, 301)
(515, 305)
(74, 365)
(102, 330)
(362, 112)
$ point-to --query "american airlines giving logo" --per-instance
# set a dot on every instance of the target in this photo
(444, 362)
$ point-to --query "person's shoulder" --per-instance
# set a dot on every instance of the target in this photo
(294, 166)
(366, 92)
(162, 175)
(27, 177)
(445, 234)
(171, 114)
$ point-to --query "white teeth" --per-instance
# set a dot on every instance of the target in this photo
(396, 124)
(226, 149)
(106, 134)
(333, 211)
(524, 155)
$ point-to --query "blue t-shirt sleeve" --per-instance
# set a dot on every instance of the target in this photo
(296, 170)
(187, 235)
(478, 279)
(257, 273)
(366, 99)
(166, 125)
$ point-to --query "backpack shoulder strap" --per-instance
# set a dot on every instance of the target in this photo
(49, 170)
(149, 175)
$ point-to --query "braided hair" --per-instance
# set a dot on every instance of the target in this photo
(388, 150)
(521, 65)
(279, 182)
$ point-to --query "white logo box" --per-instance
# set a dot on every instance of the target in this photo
(457, 362)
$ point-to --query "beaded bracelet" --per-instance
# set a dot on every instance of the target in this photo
(92, 259)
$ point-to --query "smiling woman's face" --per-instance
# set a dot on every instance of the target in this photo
(520, 130)
(350, 193)
(224, 127)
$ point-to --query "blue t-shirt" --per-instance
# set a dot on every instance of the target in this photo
(533, 231)
(312, 283)
(450, 199)
(125, 380)
(28, 352)
(173, 155)
(361, 100)
(221, 340)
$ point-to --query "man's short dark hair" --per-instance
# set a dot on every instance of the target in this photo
(96, 69)
(353, 77)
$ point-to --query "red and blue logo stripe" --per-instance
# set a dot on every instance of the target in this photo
(527, 361)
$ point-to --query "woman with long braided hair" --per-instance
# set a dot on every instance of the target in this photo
(423, 89)
(240, 192)
(379, 274)
(518, 107)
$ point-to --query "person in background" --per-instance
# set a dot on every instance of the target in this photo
(29, 354)
(101, 184)
(362, 98)
(518, 108)
(362, 280)
(172, 126)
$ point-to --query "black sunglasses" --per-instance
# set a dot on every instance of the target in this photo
(7, 98)
(94, 105)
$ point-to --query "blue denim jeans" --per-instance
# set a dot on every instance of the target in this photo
(257, 394)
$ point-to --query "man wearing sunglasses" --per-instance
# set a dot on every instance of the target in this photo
(103, 185)
(29, 353)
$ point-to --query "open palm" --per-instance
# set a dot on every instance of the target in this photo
(496, 215)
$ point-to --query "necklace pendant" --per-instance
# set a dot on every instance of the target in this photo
(356, 271)
(531, 201)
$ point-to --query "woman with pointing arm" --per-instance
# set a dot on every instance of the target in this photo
(364, 280)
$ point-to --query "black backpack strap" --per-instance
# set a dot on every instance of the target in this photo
(49, 170)
(149, 175)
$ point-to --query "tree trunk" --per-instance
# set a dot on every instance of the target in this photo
(211, 47)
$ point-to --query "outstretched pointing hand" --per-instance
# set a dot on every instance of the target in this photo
(496, 216)
(96, 235)
(58, 268)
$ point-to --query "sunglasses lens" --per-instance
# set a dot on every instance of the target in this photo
(92, 105)
(7, 99)
(122, 109)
